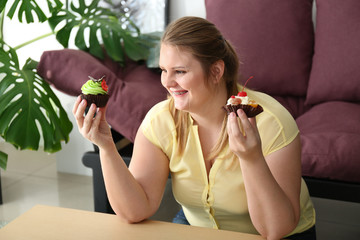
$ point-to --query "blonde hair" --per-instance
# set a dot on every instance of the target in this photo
(204, 41)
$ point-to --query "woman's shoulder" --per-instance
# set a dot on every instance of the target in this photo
(159, 110)
(271, 106)
(277, 127)
(159, 121)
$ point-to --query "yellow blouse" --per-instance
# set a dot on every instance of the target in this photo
(220, 201)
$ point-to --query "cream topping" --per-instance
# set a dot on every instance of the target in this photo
(235, 100)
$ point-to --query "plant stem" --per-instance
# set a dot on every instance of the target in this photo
(33, 40)
(2, 25)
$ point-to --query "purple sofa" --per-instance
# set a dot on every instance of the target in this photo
(313, 70)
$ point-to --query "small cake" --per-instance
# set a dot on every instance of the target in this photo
(95, 91)
(241, 100)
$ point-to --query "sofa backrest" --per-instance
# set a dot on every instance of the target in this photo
(274, 40)
(335, 73)
(277, 43)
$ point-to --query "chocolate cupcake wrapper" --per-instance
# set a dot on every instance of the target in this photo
(98, 100)
(249, 110)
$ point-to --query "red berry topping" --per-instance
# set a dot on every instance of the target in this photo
(242, 94)
(232, 96)
(104, 85)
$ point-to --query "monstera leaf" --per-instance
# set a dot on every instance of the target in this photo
(28, 105)
(26, 8)
(96, 26)
(3, 160)
(2, 5)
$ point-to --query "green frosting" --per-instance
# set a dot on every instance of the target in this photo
(93, 88)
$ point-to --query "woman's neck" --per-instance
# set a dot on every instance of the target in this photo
(211, 114)
(211, 119)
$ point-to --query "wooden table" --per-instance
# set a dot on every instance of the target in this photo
(49, 223)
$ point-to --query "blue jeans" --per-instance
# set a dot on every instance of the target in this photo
(180, 218)
(309, 234)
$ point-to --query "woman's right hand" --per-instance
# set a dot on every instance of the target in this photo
(95, 129)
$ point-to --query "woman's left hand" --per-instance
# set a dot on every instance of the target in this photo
(244, 138)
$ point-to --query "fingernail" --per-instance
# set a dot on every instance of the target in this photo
(241, 112)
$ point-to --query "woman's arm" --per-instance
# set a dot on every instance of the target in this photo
(272, 184)
(136, 194)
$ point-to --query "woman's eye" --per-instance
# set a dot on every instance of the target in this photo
(180, 72)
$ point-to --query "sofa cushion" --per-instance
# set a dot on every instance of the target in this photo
(133, 90)
(330, 137)
(295, 105)
(273, 38)
(335, 73)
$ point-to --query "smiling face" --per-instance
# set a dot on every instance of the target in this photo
(184, 78)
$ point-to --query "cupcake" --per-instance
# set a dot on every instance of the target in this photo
(95, 91)
(241, 100)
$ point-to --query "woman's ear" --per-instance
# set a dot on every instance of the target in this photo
(217, 70)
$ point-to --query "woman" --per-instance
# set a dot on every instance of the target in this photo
(245, 179)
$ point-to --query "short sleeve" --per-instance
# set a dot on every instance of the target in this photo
(276, 126)
(159, 128)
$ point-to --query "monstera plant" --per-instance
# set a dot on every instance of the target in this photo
(29, 110)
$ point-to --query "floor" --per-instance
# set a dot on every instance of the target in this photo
(32, 178)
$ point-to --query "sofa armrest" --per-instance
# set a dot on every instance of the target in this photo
(101, 202)
(332, 189)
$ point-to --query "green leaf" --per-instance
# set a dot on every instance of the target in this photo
(63, 34)
(26, 9)
(3, 160)
(112, 43)
(29, 108)
(79, 38)
(97, 26)
(13, 9)
(95, 48)
(134, 49)
(2, 5)
(54, 5)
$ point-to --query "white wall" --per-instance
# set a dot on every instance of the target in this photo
(69, 158)
(180, 8)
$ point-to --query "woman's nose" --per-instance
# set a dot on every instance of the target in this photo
(167, 80)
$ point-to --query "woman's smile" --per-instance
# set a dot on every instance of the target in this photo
(179, 93)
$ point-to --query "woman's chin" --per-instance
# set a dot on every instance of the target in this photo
(181, 106)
